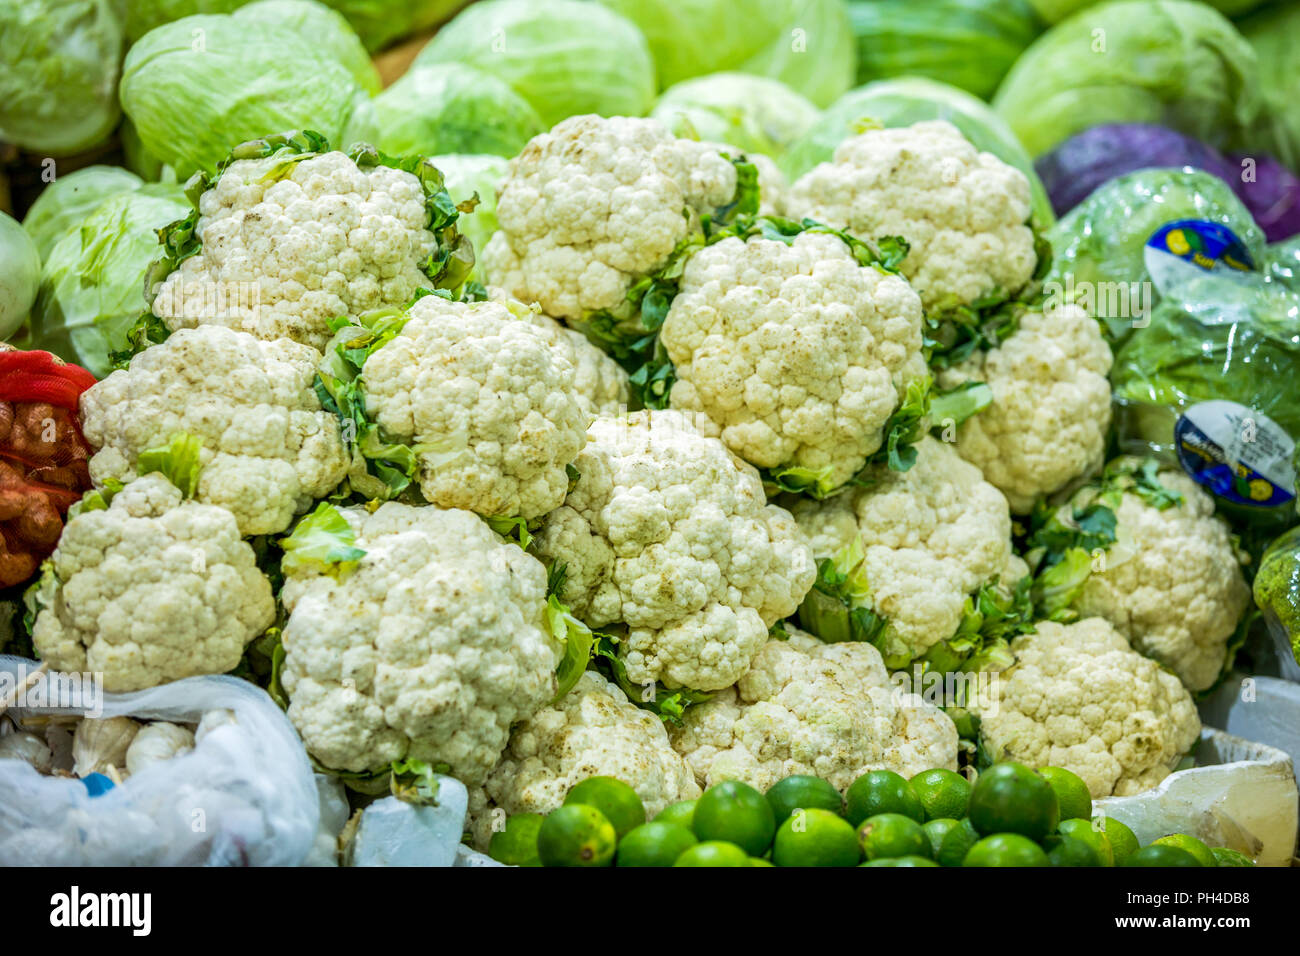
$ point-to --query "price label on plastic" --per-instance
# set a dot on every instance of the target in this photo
(1189, 248)
(1236, 453)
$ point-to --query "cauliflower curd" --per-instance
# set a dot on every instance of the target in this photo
(430, 649)
(805, 707)
(795, 354)
(963, 212)
(668, 533)
(151, 589)
(268, 447)
(1080, 698)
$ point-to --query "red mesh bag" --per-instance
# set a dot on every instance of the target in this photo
(43, 456)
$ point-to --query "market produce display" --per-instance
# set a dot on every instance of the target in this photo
(611, 433)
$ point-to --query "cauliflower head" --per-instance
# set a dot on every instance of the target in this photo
(670, 534)
(1051, 405)
(599, 384)
(594, 730)
(268, 447)
(963, 212)
(811, 708)
(1080, 698)
(486, 401)
(429, 649)
(149, 590)
(793, 353)
(595, 204)
(930, 537)
(1171, 583)
(289, 243)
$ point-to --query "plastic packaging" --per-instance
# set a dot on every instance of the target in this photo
(244, 796)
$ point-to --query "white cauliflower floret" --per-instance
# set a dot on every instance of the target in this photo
(281, 257)
(1051, 405)
(795, 353)
(150, 590)
(599, 384)
(1080, 698)
(963, 212)
(671, 535)
(430, 649)
(489, 396)
(594, 205)
(931, 536)
(811, 708)
(1171, 583)
(268, 447)
(594, 730)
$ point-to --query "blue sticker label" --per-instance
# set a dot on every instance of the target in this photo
(1189, 247)
(1236, 453)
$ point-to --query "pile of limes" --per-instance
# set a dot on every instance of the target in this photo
(1010, 816)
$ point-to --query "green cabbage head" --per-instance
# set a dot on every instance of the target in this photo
(71, 198)
(1173, 63)
(564, 57)
(58, 73)
(92, 284)
(464, 176)
(20, 273)
(197, 86)
(325, 27)
(755, 114)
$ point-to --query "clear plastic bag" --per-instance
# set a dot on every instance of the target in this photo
(244, 796)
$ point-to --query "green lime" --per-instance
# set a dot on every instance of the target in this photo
(737, 813)
(714, 853)
(576, 835)
(1011, 798)
(1072, 794)
(1161, 855)
(956, 844)
(759, 861)
(516, 845)
(881, 791)
(1123, 841)
(943, 793)
(1225, 857)
(1006, 849)
(815, 837)
(612, 797)
(1085, 831)
(802, 791)
(1070, 851)
(900, 861)
(683, 812)
(892, 834)
(653, 844)
(1185, 841)
(936, 830)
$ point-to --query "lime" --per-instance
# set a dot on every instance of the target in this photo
(1072, 794)
(759, 861)
(1011, 798)
(1070, 851)
(516, 845)
(653, 844)
(892, 834)
(1185, 841)
(936, 830)
(576, 835)
(802, 791)
(714, 853)
(1225, 857)
(612, 797)
(683, 812)
(900, 861)
(943, 793)
(737, 813)
(1123, 842)
(956, 844)
(881, 791)
(1084, 830)
(815, 837)
(1006, 849)
(1161, 855)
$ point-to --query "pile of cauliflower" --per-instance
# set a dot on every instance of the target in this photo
(564, 524)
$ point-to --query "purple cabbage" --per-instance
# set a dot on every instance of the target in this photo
(1076, 167)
